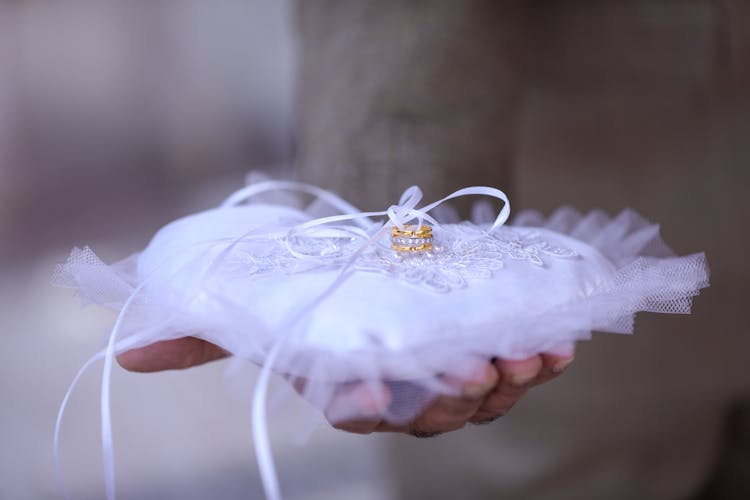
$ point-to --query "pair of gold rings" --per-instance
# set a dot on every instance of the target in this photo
(411, 239)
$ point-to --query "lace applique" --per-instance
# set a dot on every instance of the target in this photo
(461, 252)
(289, 255)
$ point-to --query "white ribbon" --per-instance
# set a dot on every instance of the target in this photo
(399, 215)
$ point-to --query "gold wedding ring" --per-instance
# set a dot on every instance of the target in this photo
(411, 239)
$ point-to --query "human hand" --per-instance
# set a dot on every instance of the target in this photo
(487, 395)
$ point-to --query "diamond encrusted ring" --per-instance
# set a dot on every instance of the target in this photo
(411, 239)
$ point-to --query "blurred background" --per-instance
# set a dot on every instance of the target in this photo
(117, 117)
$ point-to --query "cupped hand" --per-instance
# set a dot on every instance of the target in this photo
(490, 392)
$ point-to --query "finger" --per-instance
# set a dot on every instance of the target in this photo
(518, 373)
(552, 366)
(515, 378)
(451, 412)
(358, 407)
(170, 355)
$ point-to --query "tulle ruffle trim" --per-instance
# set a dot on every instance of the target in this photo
(647, 276)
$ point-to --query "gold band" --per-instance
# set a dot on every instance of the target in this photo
(409, 232)
(411, 239)
(419, 248)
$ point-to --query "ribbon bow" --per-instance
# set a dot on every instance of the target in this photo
(398, 215)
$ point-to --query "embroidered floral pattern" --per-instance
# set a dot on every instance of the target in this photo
(461, 252)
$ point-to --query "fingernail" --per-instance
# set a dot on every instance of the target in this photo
(522, 379)
(474, 391)
(560, 366)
